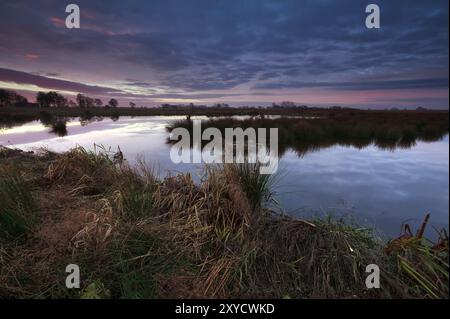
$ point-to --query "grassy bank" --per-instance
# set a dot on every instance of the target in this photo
(137, 236)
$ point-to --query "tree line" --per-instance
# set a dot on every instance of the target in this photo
(54, 99)
(9, 98)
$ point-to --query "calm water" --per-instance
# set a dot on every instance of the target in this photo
(380, 188)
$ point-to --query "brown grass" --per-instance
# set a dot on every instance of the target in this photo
(136, 236)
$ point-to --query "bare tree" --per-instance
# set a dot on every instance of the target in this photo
(51, 99)
(10, 98)
(98, 102)
(113, 103)
(85, 101)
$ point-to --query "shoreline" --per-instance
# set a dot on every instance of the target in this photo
(34, 113)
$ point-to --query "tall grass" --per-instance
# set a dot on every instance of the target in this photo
(17, 206)
(257, 187)
(425, 265)
(88, 172)
(141, 259)
(136, 193)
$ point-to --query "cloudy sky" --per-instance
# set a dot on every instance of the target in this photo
(252, 52)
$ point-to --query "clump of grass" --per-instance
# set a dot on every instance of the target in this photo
(427, 269)
(17, 206)
(424, 264)
(319, 259)
(257, 187)
(142, 261)
(89, 172)
(135, 192)
(95, 290)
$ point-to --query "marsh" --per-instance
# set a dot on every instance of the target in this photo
(378, 181)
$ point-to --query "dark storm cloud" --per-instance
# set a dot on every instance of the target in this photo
(50, 74)
(356, 86)
(218, 45)
(51, 83)
(63, 85)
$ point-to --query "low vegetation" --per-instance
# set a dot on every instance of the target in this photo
(386, 130)
(17, 204)
(10, 115)
(138, 236)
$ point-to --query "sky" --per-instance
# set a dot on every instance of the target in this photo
(252, 52)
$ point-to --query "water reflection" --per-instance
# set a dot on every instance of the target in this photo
(309, 135)
(57, 125)
(59, 128)
(49, 120)
(379, 188)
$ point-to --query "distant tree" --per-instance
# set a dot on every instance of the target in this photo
(81, 100)
(41, 99)
(90, 102)
(19, 99)
(221, 105)
(113, 103)
(59, 100)
(10, 98)
(85, 101)
(98, 102)
(72, 103)
(51, 99)
(287, 104)
(132, 105)
(4, 97)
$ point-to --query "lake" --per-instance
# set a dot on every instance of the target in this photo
(375, 186)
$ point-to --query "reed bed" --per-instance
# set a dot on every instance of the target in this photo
(383, 129)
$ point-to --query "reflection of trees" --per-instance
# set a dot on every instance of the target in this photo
(57, 124)
(87, 118)
(59, 128)
(309, 135)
